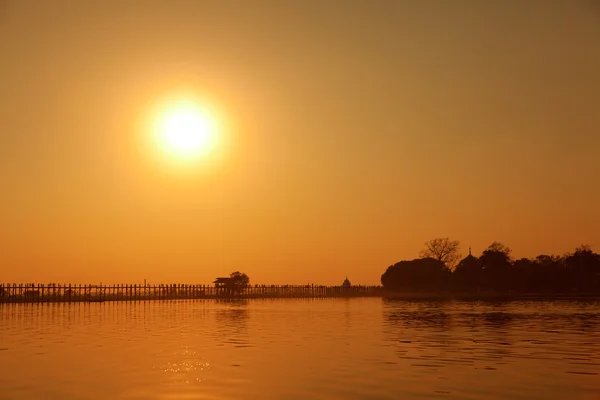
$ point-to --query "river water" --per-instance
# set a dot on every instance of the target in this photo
(361, 348)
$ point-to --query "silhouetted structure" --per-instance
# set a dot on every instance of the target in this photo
(223, 286)
(467, 274)
(346, 283)
(233, 285)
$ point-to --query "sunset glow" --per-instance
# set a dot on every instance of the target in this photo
(183, 140)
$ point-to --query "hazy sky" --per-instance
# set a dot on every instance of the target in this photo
(356, 131)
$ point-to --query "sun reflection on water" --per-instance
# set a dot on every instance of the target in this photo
(185, 365)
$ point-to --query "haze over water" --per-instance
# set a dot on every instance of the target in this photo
(366, 348)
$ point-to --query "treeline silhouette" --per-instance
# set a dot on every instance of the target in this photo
(495, 270)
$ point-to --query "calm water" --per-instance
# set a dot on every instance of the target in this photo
(300, 349)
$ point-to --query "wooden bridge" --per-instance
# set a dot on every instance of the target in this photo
(39, 293)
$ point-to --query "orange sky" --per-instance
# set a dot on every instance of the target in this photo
(356, 131)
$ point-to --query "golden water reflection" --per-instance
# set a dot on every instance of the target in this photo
(296, 349)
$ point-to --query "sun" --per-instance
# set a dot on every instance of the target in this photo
(185, 131)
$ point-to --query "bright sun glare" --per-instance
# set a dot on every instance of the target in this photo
(186, 131)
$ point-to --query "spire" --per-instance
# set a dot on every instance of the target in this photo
(469, 250)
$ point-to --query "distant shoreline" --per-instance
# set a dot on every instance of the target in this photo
(395, 295)
(105, 293)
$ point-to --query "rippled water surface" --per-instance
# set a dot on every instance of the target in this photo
(300, 349)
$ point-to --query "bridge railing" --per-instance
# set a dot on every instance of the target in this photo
(43, 293)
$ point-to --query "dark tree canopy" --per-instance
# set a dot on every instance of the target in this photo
(418, 274)
(496, 265)
(498, 248)
(496, 255)
(496, 271)
(239, 280)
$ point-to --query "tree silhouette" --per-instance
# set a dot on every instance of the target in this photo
(584, 269)
(496, 265)
(418, 274)
(239, 281)
(444, 250)
(495, 271)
